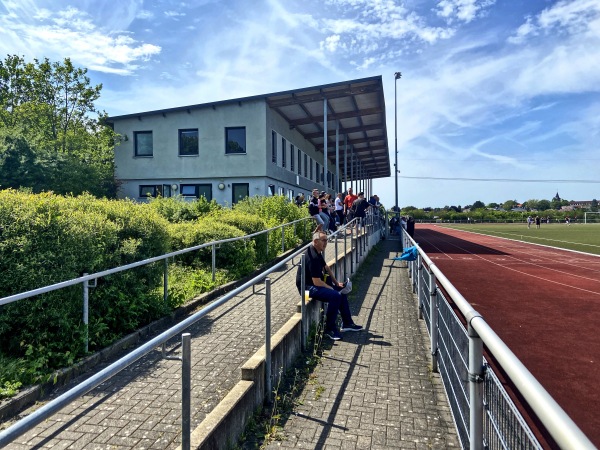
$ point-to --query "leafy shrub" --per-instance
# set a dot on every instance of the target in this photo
(249, 224)
(186, 283)
(238, 258)
(46, 239)
(176, 209)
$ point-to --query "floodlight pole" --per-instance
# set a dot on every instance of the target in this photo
(397, 76)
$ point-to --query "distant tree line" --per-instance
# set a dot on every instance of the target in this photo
(52, 137)
(499, 211)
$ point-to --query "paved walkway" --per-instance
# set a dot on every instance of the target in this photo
(377, 388)
(374, 389)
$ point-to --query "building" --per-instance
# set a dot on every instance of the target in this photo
(261, 145)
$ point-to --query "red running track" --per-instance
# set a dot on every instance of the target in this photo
(543, 302)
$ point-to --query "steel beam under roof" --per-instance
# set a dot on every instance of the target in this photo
(358, 105)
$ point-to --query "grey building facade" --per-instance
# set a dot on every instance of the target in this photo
(263, 145)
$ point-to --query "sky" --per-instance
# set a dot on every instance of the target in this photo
(499, 99)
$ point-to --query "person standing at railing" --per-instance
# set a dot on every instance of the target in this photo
(314, 210)
(322, 285)
(348, 201)
(339, 208)
(359, 208)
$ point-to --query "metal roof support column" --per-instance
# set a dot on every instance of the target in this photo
(352, 166)
(345, 163)
(337, 158)
(325, 143)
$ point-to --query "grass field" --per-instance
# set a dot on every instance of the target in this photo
(580, 237)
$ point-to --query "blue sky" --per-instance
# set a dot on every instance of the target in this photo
(490, 89)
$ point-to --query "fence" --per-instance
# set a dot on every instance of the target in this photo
(484, 414)
(361, 240)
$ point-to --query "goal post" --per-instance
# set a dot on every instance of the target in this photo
(592, 218)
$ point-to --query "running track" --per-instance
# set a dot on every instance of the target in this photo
(543, 302)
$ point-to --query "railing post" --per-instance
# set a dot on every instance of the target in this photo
(283, 239)
(346, 256)
(86, 302)
(337, 270)
(214, 261)
(303, 298)
(475, 389)
(166, 281)
(433, 326)
(186, 389)
(268, 384)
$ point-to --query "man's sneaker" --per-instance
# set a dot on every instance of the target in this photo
(334, 334)
(352, 327)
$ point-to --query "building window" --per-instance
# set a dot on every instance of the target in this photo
(292, 157)
(235, 140)
(150, 190)
(283, 150)
(188, 142)
(299, 162)
(306, 166)
(281, 191)
(318, 172)
(273, 147)
(197, 191)
(143, 143)
(311, 169)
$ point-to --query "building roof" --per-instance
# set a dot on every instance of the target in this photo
(357, 105)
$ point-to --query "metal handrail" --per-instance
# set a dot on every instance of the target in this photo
(560, 426)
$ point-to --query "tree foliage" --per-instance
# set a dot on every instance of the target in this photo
(52, 137)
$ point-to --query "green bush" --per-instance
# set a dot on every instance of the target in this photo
(238, 258)
(186, 283)
(249, 224)
(46, 239)
(176, 209)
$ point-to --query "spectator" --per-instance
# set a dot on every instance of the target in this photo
(332, 292)
(299, 200)
(339, 208)
(348, 201)
(313, 209)
(410, 227)
(359, 208)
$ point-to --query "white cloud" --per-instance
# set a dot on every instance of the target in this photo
(73, 33)
(144, 14)
(174, 14)
(463, 10)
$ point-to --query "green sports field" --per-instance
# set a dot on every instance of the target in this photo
(577, 236)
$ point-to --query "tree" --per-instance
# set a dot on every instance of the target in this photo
(50, 105)
(509, 204)
(477, 205)
(544, 205)
(594, 205)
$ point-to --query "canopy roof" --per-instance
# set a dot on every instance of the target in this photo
(359, 108)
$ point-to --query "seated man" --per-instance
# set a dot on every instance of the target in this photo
(334, 293)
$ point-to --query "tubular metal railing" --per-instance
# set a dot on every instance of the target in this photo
(360, 244)
(484, 414)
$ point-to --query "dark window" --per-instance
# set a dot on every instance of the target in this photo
(317, 172)
(274, 147)
(197, 190)
(299, 162)
(311, 169)
(235, 140)
(283, 150)
(188, 142)
(306, 166)
(292, 157)
(150, 190)
(143, 143)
